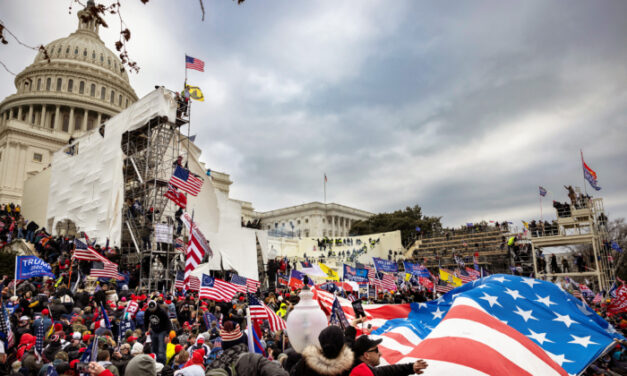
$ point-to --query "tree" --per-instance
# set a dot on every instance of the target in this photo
(407, 221)
(617, 231)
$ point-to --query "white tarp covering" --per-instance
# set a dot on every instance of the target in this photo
(87, 187)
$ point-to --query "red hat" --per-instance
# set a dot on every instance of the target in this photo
(123, 298)
(168, 301)
(200, 339)
(45, 312)
(73, 363)
(86, 337)
(203, 303)
(82, 350)
(131, 339)
(287, 295)
(177, 349)
(241, 298)
(58, 327)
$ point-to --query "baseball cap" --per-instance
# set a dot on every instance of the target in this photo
(363, 343)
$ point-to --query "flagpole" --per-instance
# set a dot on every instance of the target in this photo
(15, 279)
(325, 188)
(585, 189)
(540, 207)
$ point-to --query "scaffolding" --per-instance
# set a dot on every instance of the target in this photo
(150, 153)
(582, 224)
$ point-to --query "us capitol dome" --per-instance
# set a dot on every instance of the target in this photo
(82, 86)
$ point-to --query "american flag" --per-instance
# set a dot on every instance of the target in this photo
(385, 283)
(193, 256)
(5, 328)
(105, 270)
(566, 329)
(473, 272)
(193, 63)
(216, 289)
(597, 298)
(259, 311)
(186, 181)
(496, 347)
(244, 284)
(179, 283)
(192, 227)
(464, 276)
(371, 273)
(179, 244)
(441, 286)
(585, 290)
(88, 253)
(176, 196)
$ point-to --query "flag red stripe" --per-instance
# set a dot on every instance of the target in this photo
(469, 353)
(470, 313)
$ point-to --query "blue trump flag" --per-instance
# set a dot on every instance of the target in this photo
(416, 269)
(564, 327)
(31, 266)
(355, 274)
(385, 265)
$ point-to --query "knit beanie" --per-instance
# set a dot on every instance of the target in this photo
(141, 365)
(331, 341)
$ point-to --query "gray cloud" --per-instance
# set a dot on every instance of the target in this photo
(463, 109)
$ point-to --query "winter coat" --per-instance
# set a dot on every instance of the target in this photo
(256, 365)
(391, 370)
(315, 363)
(228, 357)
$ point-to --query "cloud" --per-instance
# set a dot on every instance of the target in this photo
(464, 109)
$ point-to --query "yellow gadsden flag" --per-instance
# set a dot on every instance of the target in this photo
(195, 93)
(331, 274)
(450, 278)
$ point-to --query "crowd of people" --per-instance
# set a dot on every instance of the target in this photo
(116, 329)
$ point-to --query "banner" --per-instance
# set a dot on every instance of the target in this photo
(330, 273)
(619, 303)
(416, 269)
(163, 233)
(426, 282)
(296, 280)
(31, 266)
(385, 265)
(450, 278)
(354, 274)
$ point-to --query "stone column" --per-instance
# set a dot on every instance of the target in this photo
(99, 120)
(10, 113)
(57, 124)
(85, 115)
(42, 121)
(30, 114)
(70, 127)
(19, 113)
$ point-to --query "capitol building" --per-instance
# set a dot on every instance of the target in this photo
(82, 85)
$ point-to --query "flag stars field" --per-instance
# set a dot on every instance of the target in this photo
(491, 299)
(526, 315)
(546, 300)
(565, 319)
(583, 341)
(539, 337)
(515, 294)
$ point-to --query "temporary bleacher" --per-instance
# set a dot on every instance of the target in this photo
(580, 224)
(489, 243)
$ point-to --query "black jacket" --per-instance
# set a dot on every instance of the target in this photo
(158, 321)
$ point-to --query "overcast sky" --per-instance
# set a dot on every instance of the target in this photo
(463, 108)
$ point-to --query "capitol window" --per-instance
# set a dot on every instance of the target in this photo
(37, 157)
(112, 96)
(48, 83)
(70, 85)
(92, 91)
(93, 54)
(103, 93)
(67, 50)
(101, 58)
(120, 100)
(85, 52)
(81, 87)
(76, 51)
(307, 220)
(59, 84)
(38, 84)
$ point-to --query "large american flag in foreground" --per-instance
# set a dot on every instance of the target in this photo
(566, 329)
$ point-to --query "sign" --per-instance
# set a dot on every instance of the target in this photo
(354, 274)
(385, 265)
(163, 233)
(416, 269)
(619, 303)
(31, 266)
